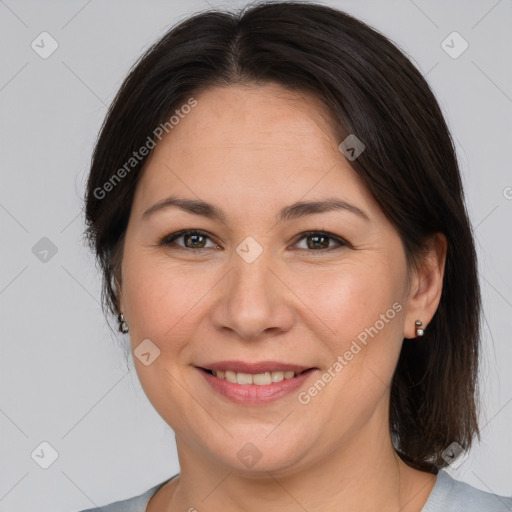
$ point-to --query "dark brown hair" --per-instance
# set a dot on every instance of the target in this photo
(372, 90)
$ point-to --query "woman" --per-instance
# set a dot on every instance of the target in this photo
(277, 209)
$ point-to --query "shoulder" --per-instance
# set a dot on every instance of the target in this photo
(450, 495)
(135, 504)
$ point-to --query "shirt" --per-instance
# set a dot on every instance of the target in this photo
(447, 495)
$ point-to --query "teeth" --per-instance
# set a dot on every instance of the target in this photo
(260, 379)
(230, 377)
(277, 376)
(244, 378)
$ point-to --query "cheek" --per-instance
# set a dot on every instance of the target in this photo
(356, 311)
(360, 318)
(156, 291)
(164, 305)
(166, 302)
(350, 300)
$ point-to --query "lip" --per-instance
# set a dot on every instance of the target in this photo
(253, 394)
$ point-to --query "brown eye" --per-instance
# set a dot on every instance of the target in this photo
(196, 241)
(192, 239)
(320, 241)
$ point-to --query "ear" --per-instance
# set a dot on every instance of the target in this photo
(426, 286)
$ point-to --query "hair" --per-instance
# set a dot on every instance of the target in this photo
(372, 90)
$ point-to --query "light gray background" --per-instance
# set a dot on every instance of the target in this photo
(63, 379)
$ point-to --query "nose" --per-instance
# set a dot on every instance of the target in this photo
(253, 301)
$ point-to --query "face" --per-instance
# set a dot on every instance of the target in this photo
(324, 291)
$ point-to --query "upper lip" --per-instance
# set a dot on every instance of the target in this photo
(259, 367)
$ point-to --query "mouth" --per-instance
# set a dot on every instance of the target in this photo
(254, 383)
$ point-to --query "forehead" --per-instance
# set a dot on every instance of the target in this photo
(261, 141)
(260, 109)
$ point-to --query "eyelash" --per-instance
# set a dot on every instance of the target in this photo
(169, 239)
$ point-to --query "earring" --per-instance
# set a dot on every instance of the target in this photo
(419, 331)
(123, 326)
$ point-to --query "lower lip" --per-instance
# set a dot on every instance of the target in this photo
(253, 393)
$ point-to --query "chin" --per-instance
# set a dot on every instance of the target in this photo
(256, 458)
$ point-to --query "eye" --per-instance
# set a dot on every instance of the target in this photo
(319, 241)
(193, 239)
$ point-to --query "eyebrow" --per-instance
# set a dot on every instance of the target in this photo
(293, 211)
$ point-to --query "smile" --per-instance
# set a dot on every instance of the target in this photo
(258, 388)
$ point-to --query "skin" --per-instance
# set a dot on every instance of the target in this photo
(240, 148)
